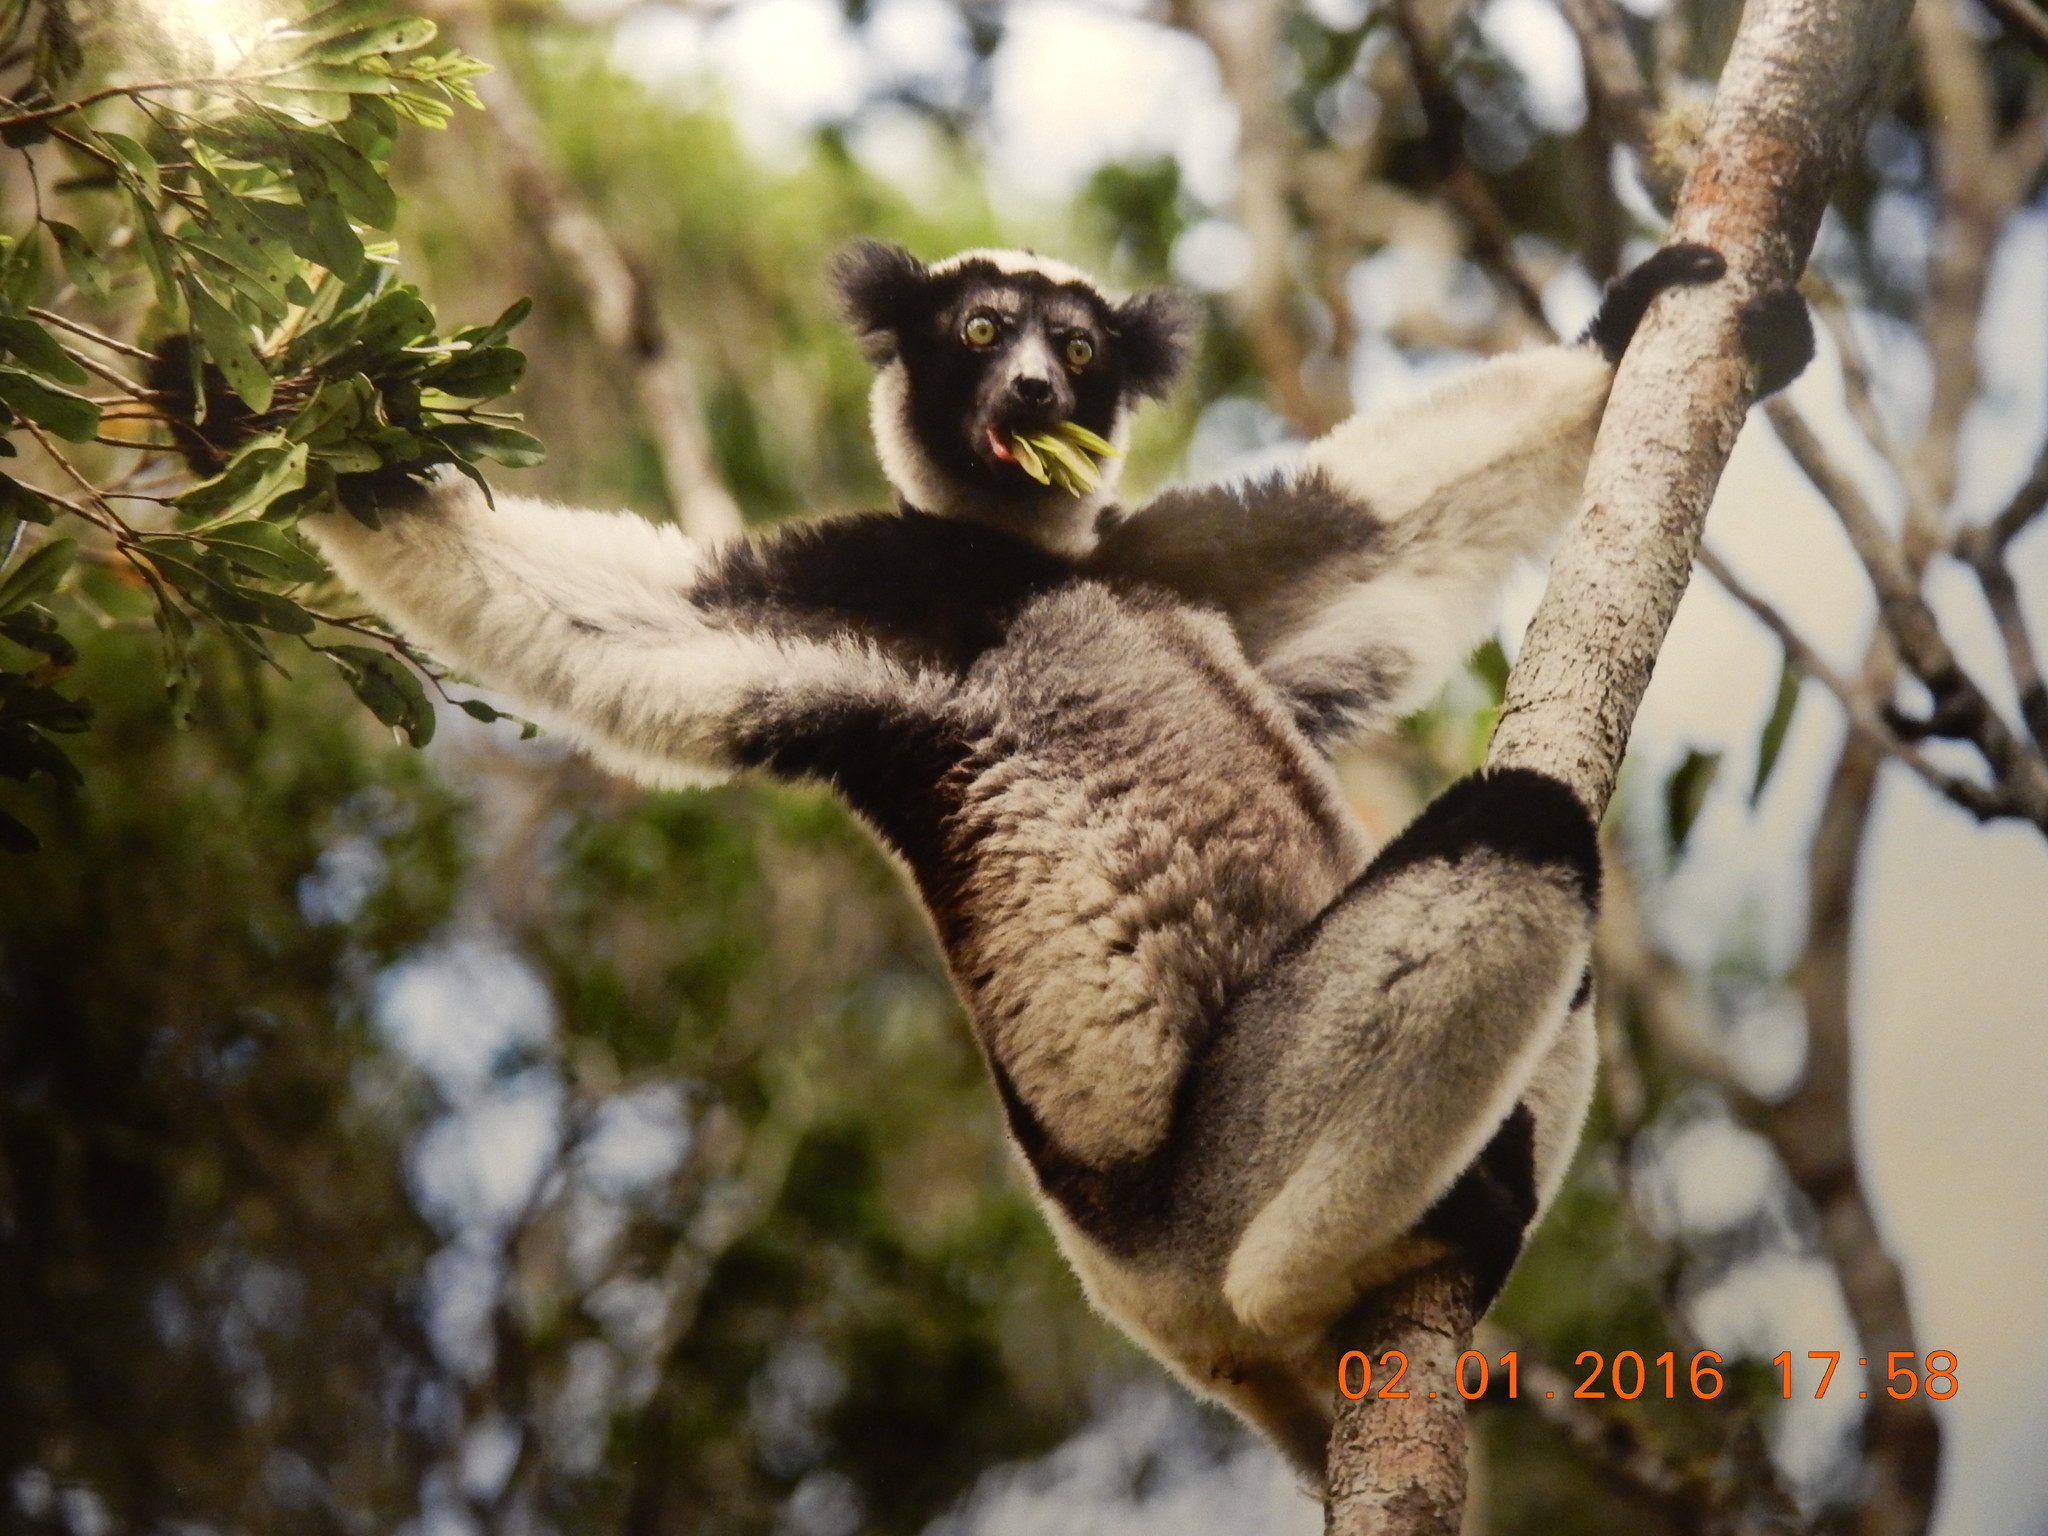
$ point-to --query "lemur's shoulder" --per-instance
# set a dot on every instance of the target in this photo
(936, 591)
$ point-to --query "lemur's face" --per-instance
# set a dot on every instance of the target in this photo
(990, 345)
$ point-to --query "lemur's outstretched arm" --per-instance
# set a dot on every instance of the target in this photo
(621, 633)
(1358, 581)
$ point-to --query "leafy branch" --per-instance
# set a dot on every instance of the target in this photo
(202, 320)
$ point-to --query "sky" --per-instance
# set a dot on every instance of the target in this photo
(1951, 970)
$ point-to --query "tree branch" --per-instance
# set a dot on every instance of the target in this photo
(1798, 88)
(1796, 92)
(623, 309)
(1960, 705)
(1864, 717)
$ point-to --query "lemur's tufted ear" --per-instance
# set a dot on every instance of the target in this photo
(882, 287)
(1152, 334)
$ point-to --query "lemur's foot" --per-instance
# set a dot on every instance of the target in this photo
(1777, 339)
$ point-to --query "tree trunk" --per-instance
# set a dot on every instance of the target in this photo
(1797, 91)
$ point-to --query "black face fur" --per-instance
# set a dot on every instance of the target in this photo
(989, 353)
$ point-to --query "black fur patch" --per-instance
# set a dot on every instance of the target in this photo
(1122, 1207)
(931, 591)
(1516, 812)
(1584, 994)
(1236, 547)
(883, 288)
(1486, 1212)
(891, 766)
(1629, 296)
(1152, 332)
(1777, 339)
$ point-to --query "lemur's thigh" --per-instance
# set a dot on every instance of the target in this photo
(1375, 1060)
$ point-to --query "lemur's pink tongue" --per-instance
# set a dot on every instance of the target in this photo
(999, 448)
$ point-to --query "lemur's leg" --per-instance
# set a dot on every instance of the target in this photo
(1391, 1045)
(597, 624)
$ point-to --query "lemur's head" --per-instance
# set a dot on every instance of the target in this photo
(989, 347)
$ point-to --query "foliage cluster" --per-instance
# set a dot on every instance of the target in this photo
(230, 226)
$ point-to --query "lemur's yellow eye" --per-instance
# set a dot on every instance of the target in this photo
(979, 331)
(1080, 351)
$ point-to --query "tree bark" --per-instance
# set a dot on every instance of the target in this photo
(623, 309)
(1798, 88)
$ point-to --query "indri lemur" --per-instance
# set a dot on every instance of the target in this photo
(1255, 1072)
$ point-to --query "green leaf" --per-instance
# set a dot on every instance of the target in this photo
(262, 470)
(227, 343)
(477, 709)
(72, 417)
(207, 584)
(330, 239)
(26, 752)
(1685, 792)
(181, 674)
(332, 20)
(17, 500)
(493, 334)
(1489, 664)
(155, 247)
(37, 574)
(225, 264)
(400, 36)
(359, 184)
(398, 319)
(389, 688)
(1772, 741)
(82, 261)
(482, 373)
(264, 549)
(334, 411)
(139, 161)
(39, 349)
(44, 708)
(506, 445)
(34, 630)
(333, 80)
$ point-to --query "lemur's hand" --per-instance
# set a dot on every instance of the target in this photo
(1777, 332)
(1777, 339)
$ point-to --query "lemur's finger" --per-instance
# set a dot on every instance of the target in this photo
(1777, 339)
(1628, 297)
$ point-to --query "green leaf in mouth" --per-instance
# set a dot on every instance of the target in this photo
(1066, 456)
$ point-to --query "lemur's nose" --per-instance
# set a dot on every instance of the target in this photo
(1033, 391)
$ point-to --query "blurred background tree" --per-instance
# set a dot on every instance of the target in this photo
(466, 1142)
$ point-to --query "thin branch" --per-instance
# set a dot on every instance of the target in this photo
(97, 338)
(1865, 719)
(1461, 184)
(136, 92)
(623, 309)
(1622, 99)
(2025, 20)
(1983, 550)
(1958, 701)
(1244, 37)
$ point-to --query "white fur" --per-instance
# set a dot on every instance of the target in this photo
(582, 618)
(1016, 264)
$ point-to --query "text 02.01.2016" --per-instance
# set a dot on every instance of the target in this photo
(1628, 1375)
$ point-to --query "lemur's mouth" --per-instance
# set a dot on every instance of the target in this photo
(1066, 456)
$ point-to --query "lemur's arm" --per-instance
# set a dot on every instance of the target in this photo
(620, 633)
(1357, 582)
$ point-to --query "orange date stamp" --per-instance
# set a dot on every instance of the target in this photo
(1627, 1376)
